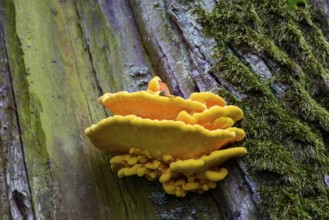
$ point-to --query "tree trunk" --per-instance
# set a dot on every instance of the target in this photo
(267, 57)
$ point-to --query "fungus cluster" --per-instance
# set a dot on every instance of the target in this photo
(181, 142)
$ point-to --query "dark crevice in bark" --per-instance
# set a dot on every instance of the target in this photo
(20, 203)
(121, 193)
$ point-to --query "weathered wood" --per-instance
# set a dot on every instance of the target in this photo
(4, 200)
(15, 192)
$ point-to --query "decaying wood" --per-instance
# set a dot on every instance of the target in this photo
(15, 193)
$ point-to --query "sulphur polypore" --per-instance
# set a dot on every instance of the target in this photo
(181, 142)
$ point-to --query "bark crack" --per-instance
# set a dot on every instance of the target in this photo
(86, 46)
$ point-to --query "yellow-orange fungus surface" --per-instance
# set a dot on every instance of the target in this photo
(180, 142)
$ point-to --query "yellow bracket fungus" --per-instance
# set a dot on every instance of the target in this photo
(180, 142)
(208, 98)
(148, 105)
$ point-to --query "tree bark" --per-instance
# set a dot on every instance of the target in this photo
(58, 57)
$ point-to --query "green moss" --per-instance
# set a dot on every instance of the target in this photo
(309, 54)
(272, 157)
(229, 97)
(307, 108)
(283, 203)
(285, 130)
(237, 73)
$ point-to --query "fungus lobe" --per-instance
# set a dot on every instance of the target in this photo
(180, 142)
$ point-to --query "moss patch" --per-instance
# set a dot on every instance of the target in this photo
(286, 116)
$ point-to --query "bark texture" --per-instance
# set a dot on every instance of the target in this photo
(57, 57)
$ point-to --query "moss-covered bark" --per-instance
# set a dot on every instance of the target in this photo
(286, 110)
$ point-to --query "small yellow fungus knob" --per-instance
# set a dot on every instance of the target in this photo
(208, 98)
(156, 85)
(216, 176)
